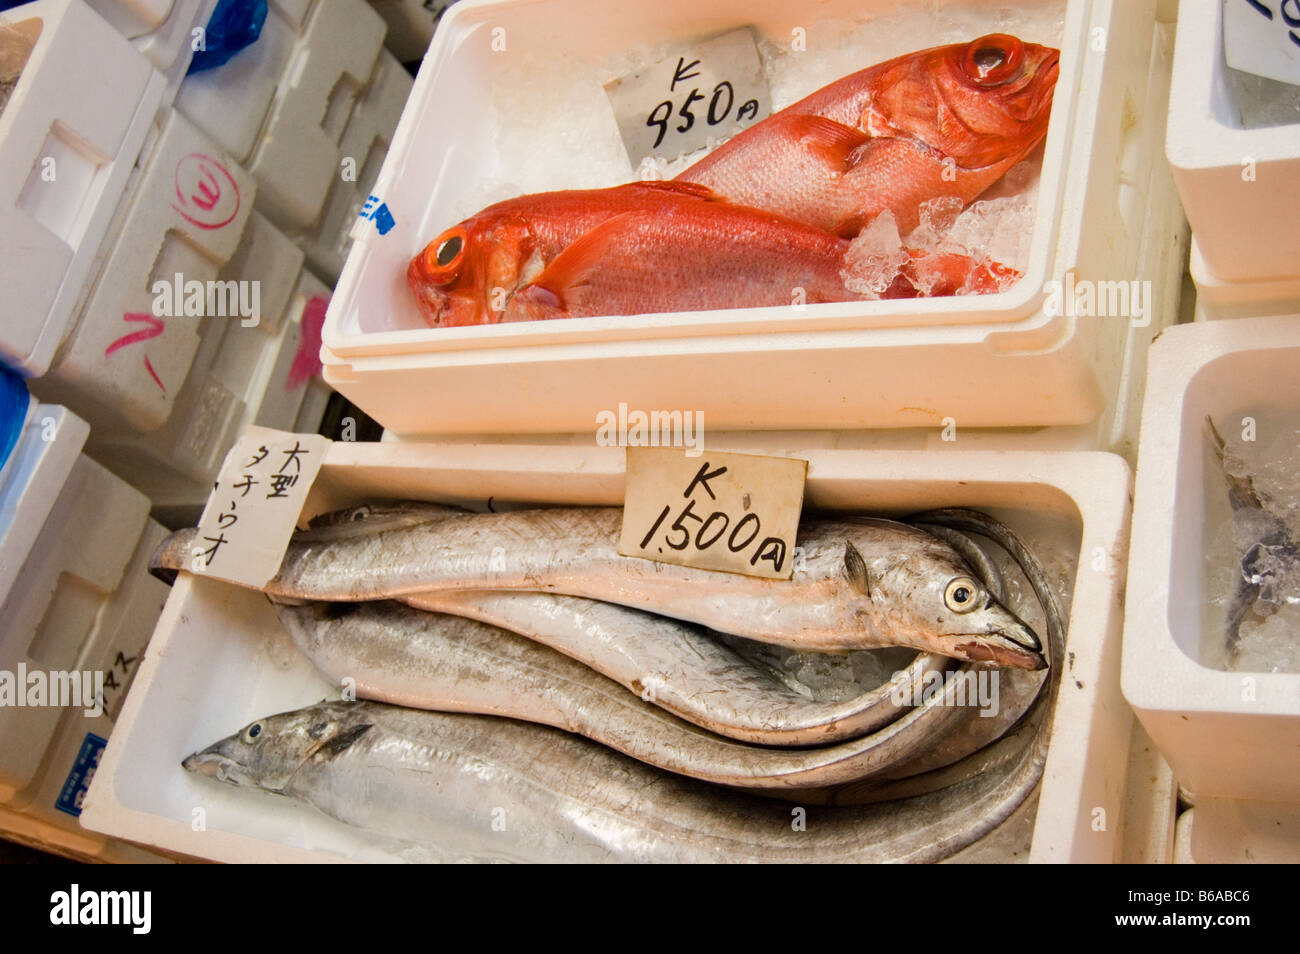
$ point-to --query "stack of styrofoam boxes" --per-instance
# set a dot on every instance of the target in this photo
(75, 595)
(1239, 186)
(70, 134)
(184, 213)
(243, 373)
(163, 30)
(309, 111)
(1231, 737)
(182, 208)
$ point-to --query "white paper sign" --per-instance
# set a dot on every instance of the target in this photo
(254, 507)
(716, 511)
(712, 90)
(1263, 37)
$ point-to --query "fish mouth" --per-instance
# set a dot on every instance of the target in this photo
(211, 764)
(1013, 647)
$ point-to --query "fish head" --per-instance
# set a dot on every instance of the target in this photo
(268, 752)
(982, 103)
(931, 600)
(466, 275)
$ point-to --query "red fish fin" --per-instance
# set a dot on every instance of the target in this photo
(834, 142)
(676, 187)
(561, 282)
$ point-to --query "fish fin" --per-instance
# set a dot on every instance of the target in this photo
(569, 271)
(832, 141)
(679, 187)
(341, 742)
(855, 568)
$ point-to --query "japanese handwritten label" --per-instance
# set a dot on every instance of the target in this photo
(674, 106)
(1263, 37)
(733, 512)
(246, 526)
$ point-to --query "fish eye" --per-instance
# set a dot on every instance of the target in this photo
(993, 60)
(448, 250)
(252, 732)
(444, 255)
(961, 594)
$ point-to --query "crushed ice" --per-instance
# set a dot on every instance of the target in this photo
(1260, 549)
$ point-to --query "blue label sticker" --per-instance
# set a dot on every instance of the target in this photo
(83, 770)
(379, 213)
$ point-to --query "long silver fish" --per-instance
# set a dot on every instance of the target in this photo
(496, 788)
(705, 678)
(860, 584)
(404, 656)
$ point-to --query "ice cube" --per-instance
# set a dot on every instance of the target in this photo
(875, 257)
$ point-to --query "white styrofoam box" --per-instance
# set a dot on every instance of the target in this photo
(996, 361)
(123, 365)
(208, 672)
(365, 143)
(1225, 299)
(1226, 734)
(230, 102)
(163, 30)
(267, 256)
(71, 530)
(1238, 185)
(116, 648)
(293, 11)
(69, 136)
(133, 18)
(297, 156)
(1227, 831)
(241, 376)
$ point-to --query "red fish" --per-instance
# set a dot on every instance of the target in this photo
(936, 274)
(687, 257)
(467, 275)
(947, 121)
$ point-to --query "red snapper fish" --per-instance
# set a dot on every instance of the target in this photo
(687, 257)
(947, 121)
(469, 273)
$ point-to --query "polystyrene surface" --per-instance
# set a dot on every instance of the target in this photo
(1237, 184)
(69, 135)
(125, 362)
(1227, 735)
(209, 670)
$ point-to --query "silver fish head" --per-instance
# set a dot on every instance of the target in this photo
(930, 599)
(268, 752)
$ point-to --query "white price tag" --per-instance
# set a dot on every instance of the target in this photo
(713, 90)
(1263, 37)
(254, 507)
(733, 512)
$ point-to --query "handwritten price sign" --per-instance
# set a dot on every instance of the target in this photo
(254, 507)
(733, 512)
(676, 105)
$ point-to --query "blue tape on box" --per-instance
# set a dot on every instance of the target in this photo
(83, 770)
(234, 25)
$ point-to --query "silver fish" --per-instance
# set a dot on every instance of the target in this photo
(860, 584)
(496, 788)
(706, 678)
(403, 656)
